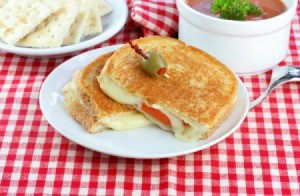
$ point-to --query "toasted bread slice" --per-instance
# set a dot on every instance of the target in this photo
(196, 95)
(94, 110)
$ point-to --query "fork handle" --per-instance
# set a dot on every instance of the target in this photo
(271, 87)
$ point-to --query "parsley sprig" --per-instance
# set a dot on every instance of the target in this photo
(234, 9)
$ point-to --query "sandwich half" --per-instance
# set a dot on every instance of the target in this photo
(93, 109)
(194, 97)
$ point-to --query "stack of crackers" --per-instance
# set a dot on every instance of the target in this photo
(50, 23)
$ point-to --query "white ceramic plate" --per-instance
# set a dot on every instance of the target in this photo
(147, 142)
(112, 24)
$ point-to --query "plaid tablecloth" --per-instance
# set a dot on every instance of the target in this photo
(261, 157)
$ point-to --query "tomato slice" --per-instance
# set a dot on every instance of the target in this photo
(157, 114)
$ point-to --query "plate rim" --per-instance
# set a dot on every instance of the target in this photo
(41, 52)
(128, 155)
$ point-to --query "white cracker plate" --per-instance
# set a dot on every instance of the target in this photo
(112, 24)
(148, 142)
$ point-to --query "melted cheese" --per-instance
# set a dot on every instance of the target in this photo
(181, 132)
(115, 92)
(69, 86)
(191, 133)
(127, 121)
(177, 124)
(120, 122)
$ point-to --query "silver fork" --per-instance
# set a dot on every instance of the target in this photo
(280, 75)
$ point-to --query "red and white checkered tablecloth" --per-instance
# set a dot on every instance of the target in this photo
(261, 157)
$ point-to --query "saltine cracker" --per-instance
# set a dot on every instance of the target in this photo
(21, 17)
(53, 5)
(3, 2)
(52, 31)
(94, 24)
(103, 8)
(76, 31)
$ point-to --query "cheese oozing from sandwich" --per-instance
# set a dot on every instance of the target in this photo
(127, 121)
(117, 93)
(123, 121)
(182, 130)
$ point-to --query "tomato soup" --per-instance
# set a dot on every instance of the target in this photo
(270, 8)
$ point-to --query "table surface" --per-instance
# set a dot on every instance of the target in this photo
(261, 157)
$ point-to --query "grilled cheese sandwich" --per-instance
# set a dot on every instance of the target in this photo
(87, 104)
(198, 95)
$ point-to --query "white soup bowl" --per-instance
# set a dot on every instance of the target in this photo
(246, 47)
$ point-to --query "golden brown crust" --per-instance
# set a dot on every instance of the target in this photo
(199, 87)
(78, 112)
(89, 90)
(87, 103)
(227, 110)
